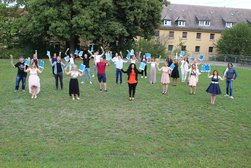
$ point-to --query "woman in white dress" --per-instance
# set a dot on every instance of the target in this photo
(153, 64)
(34, 80)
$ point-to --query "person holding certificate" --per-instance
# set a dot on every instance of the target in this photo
(34, 80)
(96, 57)
(119, 65)
(74, 86)
(101, 65)
(21, 74)
(86, 62)
(144, 60)
(58, 67)
(132, 73)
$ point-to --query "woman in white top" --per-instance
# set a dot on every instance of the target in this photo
(184, 69)
(74, 86)
(34, 80)
(153, 64)
(193, 78)
(72, 61)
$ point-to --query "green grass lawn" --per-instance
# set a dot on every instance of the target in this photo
(106, 130)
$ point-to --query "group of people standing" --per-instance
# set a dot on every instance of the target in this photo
(189, 72)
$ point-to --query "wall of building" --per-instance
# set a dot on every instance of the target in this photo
(190, 41)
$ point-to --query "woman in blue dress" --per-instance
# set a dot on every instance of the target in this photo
(214, 88)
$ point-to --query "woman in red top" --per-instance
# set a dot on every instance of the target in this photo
(132, 73)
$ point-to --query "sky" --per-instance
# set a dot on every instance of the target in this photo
(219, 3)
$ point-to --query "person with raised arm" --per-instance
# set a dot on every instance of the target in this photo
(144, 60)
(58, 72)
(86, 62)
(34, 80)
(132, 73)
(165, 78)
(101, 66)
(96, 57)
(53, 59)
(34, 59)
(73, 85)
(21, 74)
(119, 66)
(214, 87)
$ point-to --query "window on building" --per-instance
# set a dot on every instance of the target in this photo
(181, 23)
(184, 35)
(170, 47)
(229, 24)
(167, 23)
(171, 34)
(198, 36)
(197, 48)
(183, 48)
(212, 36)
(210, 49)
(204, 23)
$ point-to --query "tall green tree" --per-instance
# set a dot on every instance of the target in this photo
(236, 40)
(101, 21)
(8, 26)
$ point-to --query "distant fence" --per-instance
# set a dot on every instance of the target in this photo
(239, 59)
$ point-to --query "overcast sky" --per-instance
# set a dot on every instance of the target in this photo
(219, 3)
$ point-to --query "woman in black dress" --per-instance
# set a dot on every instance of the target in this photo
(175, 74)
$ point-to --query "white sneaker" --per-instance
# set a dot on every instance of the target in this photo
(93, 76)
(82, 82)
(141, 77)
(231, 97)
(90, 82)
(226, 95)
(35, 96)
(78, 98)
(32, 97)
(145, 77)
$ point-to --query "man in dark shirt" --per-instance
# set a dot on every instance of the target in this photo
(21, 75)
(86, 62)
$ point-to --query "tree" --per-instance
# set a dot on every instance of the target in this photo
(236, 40)
(153, 46)
(101, 21)
(8, 28)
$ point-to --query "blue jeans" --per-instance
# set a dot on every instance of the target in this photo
(229, 87)
(118, 74)
(18, 79)
(87, 71)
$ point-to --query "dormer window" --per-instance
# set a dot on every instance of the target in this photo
(204, 23)
(167, 23)
(229, 24)
(203, 20)
(181, 23)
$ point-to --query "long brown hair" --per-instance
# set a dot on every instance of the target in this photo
(216, 72)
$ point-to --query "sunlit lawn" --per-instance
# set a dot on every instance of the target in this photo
(106, 130)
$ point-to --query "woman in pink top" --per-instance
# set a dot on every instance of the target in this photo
(165, 78)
